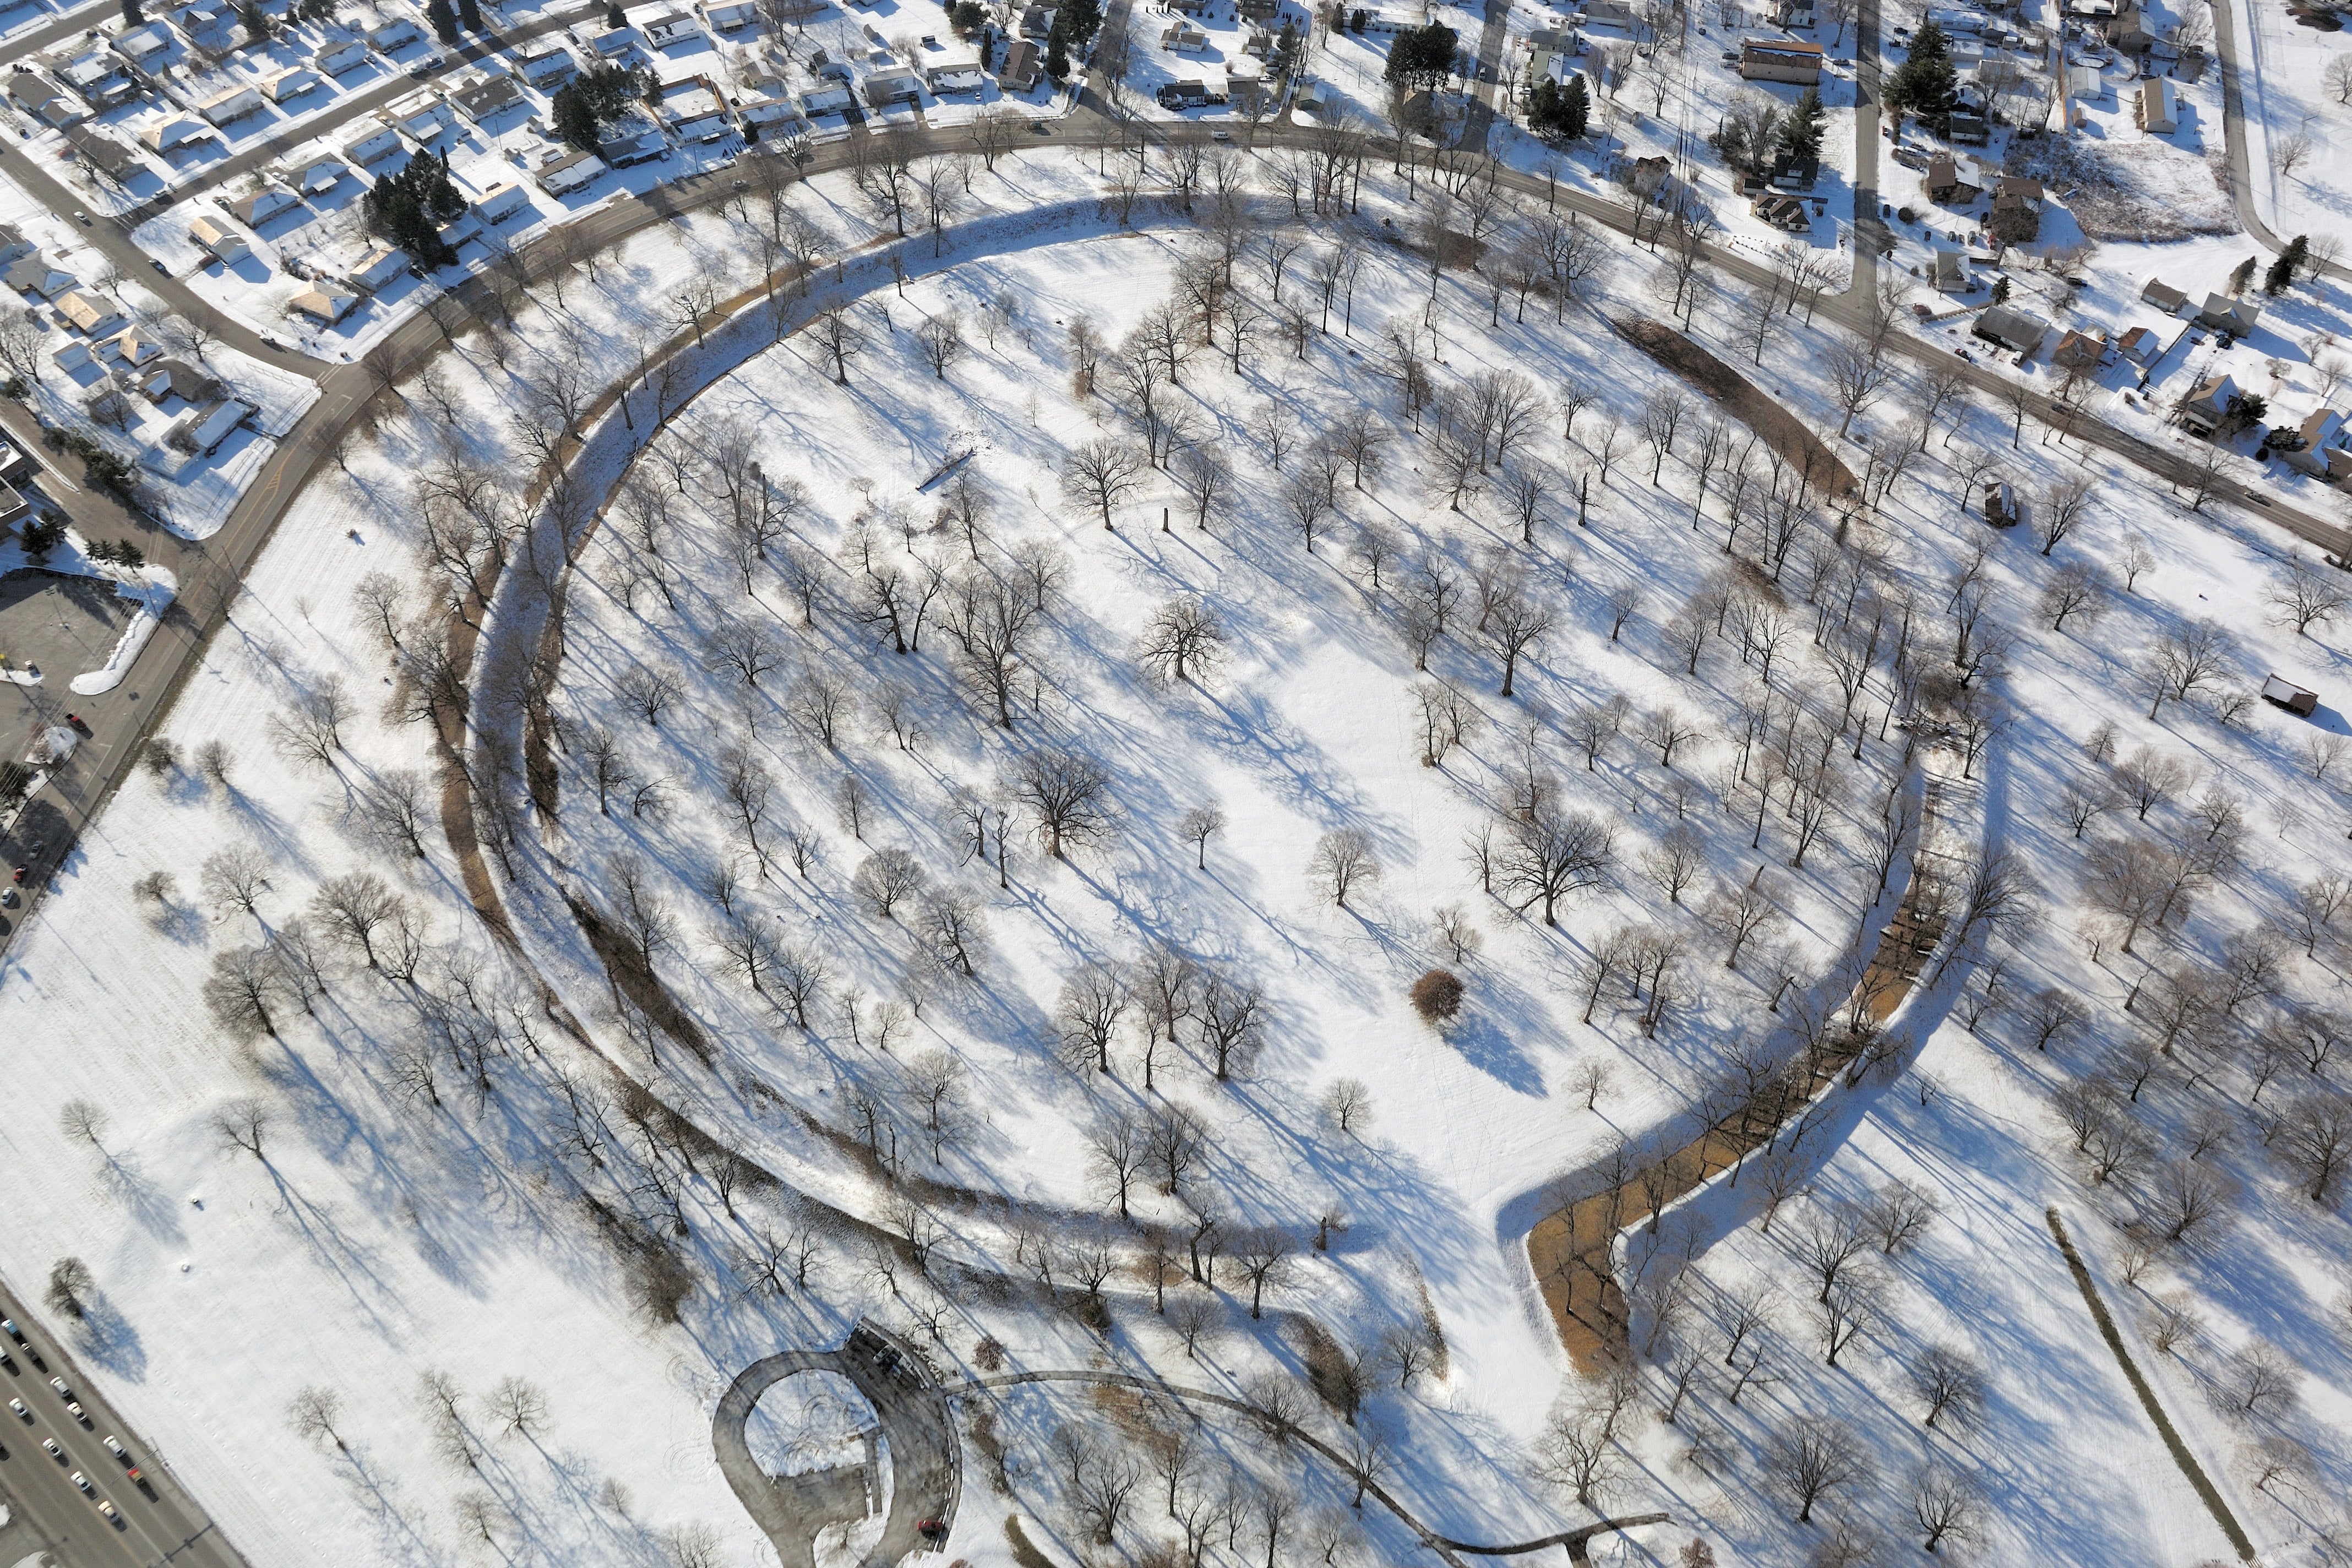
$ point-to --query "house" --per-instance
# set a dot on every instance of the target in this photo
(2296, 699)
(420, 116)
(336, 59)
(896, 85)
(2127, 32)
(36, 275)
(258, 207)
(174, 132)
(1025, 62)
(1605, 14)
(2018, 197)
(200, 431)
(1260, 43)
(485, 100)
(314, 175)
(1037, 22)
(380, 269)
(829, 99)
(731, 15)
(1793, 15)
(2012, 328)
(2206, 407)
(1183, 94)
(2320, 447)
(2083, 349)
(1259, 13)
(1953, 22)
(375, 142)
(827, 68)
(42, 100)
(13, 507)
(322, 302)
(2224, 314)
(132, 348)
(772, 116)
(547, 69)
(226, 108)
(1945, 184)
(2088, 84)
(169, 378)
(199, 17)
(621, 47)
(225, 244)
(563, 170)
(2157, 107)
(957, 76)
(501, 202)
(1951, 272)
(101, 77)
(460, 230)
(1970, 122)
(70, 355)
(1783, 212)
(668, 28)
(694, 113)
(94, 316)
(2163, 296)
(142, 46)
(1183, 37)
(2141, 346)
(633, 144)
(16, 468)
(397, 34)
(1780, 59)
(14, 245)
(288, 85)
(103, 152)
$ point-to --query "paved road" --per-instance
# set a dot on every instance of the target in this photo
(70, 23)
(159, 1522)
(2235, 66)
(1486, 77)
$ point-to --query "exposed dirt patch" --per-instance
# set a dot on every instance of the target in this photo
(1779, 429)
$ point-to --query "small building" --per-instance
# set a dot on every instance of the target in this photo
(396, 34)
(830, 98)
(957, 76)
(200, 431)
(38, 275)
(547, 69)
(379, 268)
(91, 314)
(199, 18)
(168, 378)
(322, 302)
(669, 28)
(896, 85)
(2155, 107)
(485, 100)
(1951, 272)
(313, 176)
(2084, 349)
(1183, 94)
(101, 78)
(376, 142)
(225, 244)
(131, 347)
(621, 47)
(288, 85)
(770, 117)
(2299, 700)
(420, 116)
(2000, 504)
(1259, 13)
(1024, 63)
(14, 245)
(1782, 211)
(1945, 184)
(459, 230)
(1190, 7)
(1970, 123)
(731, 15)
(2224, 314)
(2020, 331)
(103, 152)
(228, 108)
(2127, 32)
(70, 355)
(257, 207)
(2209, 406)
(2086, 84)
(42, 100)
(173, 132)
(1780, 59)
(2141, 345)
(2163, 296)
(144, 45)
(501, 202)
(1037, 22)
(563, 170)
(1183, 37)
(827, 68)
(336, 59)
(633, 145)
(694, 114)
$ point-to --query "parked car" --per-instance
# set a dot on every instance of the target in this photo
(74, 1409)
(59, 1385)
(114, 1446)
(50, 1445)
(83, 1482)
(107, 1509)
(15, 1332)
(18, 1406)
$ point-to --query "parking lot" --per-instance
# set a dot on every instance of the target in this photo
(59, 626)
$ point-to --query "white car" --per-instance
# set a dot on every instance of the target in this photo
(55, 1452)
(115, 1447)
(82, 1481)
(59, 1385)
(18, 1406)
(107, 1508)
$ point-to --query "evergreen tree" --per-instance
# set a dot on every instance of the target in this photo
(409, 208)
(1558, 111)
(1057, 57)
(615, 17)
(2242, 275)
(2000, 290)
(1922, 84)
(133, 13)
(469, 16)
(1800, 133)
(444, 20)
(575, 118)
(2280, 276)
(1422, 58)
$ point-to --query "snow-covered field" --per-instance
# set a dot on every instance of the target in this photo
(437, 1148)
(2289, 103)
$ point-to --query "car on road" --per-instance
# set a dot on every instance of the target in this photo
(425, 68)
(83, 1482)
(1221, 134)
(18, 1406)
(159, 267)
(49, 1446)
(5, 1359)
(932, 1529)
(82, 217)
(112, 1514)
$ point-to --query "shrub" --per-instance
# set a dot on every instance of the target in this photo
(1437, 996)
(161, 756)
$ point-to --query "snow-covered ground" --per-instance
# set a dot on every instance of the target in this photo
(2288, 102)
(388, 1233)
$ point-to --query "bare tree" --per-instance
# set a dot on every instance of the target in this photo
(1184, 641)
(1812, 1458)
(313, 1414)
(1101, 474)
(1946, 1504)
(1342, 859)
(1949, 1382)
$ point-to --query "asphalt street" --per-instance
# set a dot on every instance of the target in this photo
(160, 1523)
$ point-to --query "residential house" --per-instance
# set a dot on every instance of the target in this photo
(547, 69)
(1183, 37)
(956, 75)
(226, 108)
(1260, 12)
(1945, 184)
(2224, 314)
(375, 142)
(1037, 22)
(1780, 59)
(70, 355)
(379, 268)
(829, 98)
(2321, 446)
(767, 118)
(42, 100)
(91, 314)
(2018, 198)
(37, 275)
(1970, 121)
(288, 85)
(16, 468)
(1607, 13)
(421, 116)
(314, 176)
(485, 100)
(731, 15)
(322, 302)
(1259, 45)
(1782, 211)
(2155, 107)
(2208, 407)
(1024, 63)
(1183, 94)
(2141, 345)
(2163, 296)
(144, 46)
(101, 77)
(896, 85)
(14, 245)
(397, 34)
(200, 431)
(2020, 331)
(668, 28)
(103, 152)
(694, 113)
(2127, 31)
(622, 46)
(225, 244)
(827, 68)
(131, 348)
(2083, 349)
(1953, 22)
(1951, 272)
(1190, 7)
(2086, 84)
(173, 132)
(1794, 15)
(199, 19)
(336, 59)
(631, 144)
(500, 201)
(168, 378)
(258, 207)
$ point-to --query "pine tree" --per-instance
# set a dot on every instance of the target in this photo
(1558, 111)
(133, 13)
(2000, 290)
(469, 16)
(575, 118)
(615, 17)
(444, 20)
(1922, 84)
(2242, 275)
(1058, 58)
(2280, 276)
